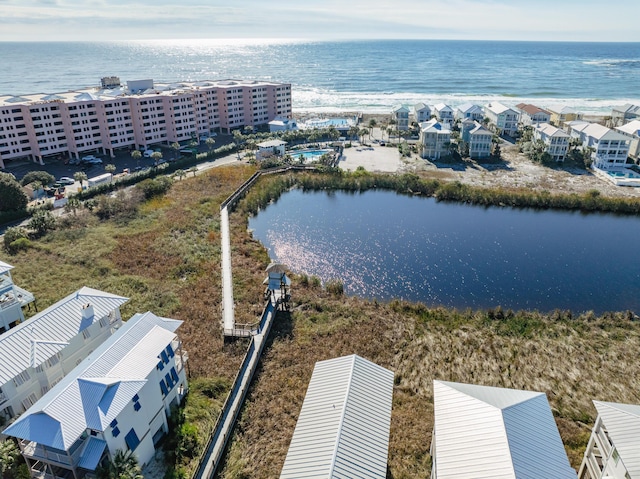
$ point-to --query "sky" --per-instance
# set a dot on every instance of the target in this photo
(99, 20)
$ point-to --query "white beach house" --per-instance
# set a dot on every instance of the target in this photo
(400, 114)
(12, 299)
(479, 141)
(118, 398)
(421, 112)
(610, 148)
(444, 113)
(632, 131)
(502, 117)
(621, 115)
(434, 139)
(38, 353)
(557, 140)
(483, 432)
(532, 115)
(613, 451)
(469, 111)
(343, 426)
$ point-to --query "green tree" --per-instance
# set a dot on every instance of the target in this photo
(72, 205)
(12, 197)
(175, 146)
(41, 222)
(111, 169)
(9, 458)
(156, 156)
(135, 156)
(124, 465)
(43, 177)
(210, 142)
(193, 169)
(364, 132)
(353, 132)
(80, 177)
(180, 174)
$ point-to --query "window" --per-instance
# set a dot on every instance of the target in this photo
(132, 440)
(29, 401)
(615, 456)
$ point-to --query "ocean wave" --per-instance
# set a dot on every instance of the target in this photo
(316, 100)
(613, 62)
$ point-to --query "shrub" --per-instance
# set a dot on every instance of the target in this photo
(122, 206)
(188, 440)
(42, 222)
(154, 187)
(41, 176)
(335, 287)
(13, 234)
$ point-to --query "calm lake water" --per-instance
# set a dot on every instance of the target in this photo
(383, 245)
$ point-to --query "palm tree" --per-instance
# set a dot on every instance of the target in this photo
(210, 142)
(175, 146)
(157, 156)
(124, 465)
(372, 124)
(110, 168)
(363, 133)
(353, 132)
(80, 176)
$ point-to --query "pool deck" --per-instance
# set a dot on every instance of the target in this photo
(617, 180)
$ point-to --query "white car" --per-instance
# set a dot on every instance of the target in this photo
(148, 153)
(65, 180)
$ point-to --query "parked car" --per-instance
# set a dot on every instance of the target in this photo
(95, 161)
(65, 180)
(148, 153)
(74, 161)
(89, 158)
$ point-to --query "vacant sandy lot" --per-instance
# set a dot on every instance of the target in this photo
(514, 171)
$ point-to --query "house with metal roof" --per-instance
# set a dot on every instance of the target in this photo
(400, 114)
(557, 140)
(434, 139)
(421, 112)
(118, 398)
(502, 117)
(632, 131)
(610, 148)
(560, 115)
(621, 115)
(479, 139)
(469, 111)
(495, 433)
(613, 450)
(39, 352)
(343, 427)
(12, 299)
(443, 112)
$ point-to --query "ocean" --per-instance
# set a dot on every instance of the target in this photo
(365, 76)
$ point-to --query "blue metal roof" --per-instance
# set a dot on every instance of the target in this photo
(92, 453)
(98, 389)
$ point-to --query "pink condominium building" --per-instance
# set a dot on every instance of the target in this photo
(135, 115)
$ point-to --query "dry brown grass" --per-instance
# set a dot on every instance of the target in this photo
(168, 260)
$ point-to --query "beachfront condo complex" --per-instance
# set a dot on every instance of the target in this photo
(141, 113)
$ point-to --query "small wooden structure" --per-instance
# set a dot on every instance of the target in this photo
(278, 286)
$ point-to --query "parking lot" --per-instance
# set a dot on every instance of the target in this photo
(59, 167)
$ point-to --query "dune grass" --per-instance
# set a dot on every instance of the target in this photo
(167, 260)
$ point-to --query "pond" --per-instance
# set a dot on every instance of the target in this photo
(384, 245)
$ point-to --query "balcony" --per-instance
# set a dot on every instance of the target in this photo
(36, 451)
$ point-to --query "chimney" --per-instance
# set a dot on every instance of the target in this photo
(87, 312)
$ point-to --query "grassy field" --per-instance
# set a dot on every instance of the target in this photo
(166, 258)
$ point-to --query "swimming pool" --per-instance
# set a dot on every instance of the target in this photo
(309, 155)
(623, 174)
(327, 122)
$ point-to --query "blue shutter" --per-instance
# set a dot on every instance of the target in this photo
(165, 358)
(163, 387)
(170, 351)
(167, 377)
(132, 440)
(174, 375)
